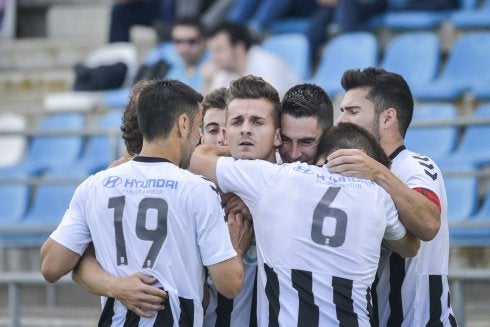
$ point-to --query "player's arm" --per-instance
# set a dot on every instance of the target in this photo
(228, 275)
(133, 291)
(205, 158)
(420, 215)
(408, 246)
(56, 260)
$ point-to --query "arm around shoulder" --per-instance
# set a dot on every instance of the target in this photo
(205, 158)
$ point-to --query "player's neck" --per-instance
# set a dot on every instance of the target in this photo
(162, 149)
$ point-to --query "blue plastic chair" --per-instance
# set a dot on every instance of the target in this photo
(477, 233)
(289, 25)
(473, 149)
(345, 51)
(467, 64)
(49, 204)
(15, 200)
(45, 152)
(294, 49)
(462, 196)
(415, 56)
(477, 18)
(101, 149)
(442, 139)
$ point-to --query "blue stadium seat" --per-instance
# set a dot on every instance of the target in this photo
(50, 201)
(45, 152)
(414, 55)
(294, 49)
(481, 90)
(462, 195)
(442, 139)
(100, 150)
(15, 199)
(467, 64)
(477, 231)
(290, 25)
(473, 149)
(403, 20)
(345, 51)
(476, 18)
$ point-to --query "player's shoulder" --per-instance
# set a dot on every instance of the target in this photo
(410, 159)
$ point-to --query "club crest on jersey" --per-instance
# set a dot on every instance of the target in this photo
(303, 169)
(112, 181)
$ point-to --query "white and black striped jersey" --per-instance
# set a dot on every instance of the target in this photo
(414, 292)
(150, 216)
(318, 240)
(241, 310)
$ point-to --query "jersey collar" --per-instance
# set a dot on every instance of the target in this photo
(150, 159)
(397, 152)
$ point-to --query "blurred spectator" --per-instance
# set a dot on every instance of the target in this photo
(340, 16)
(259, 14)
(234, 53)
(190, 43)
(160, 14)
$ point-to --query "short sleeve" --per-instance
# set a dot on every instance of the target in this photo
(213, 237)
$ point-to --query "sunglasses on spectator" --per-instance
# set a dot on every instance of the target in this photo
(191, 41)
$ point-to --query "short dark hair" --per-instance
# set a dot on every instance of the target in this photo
(161, 102)
(193, 22)
(352, 136)
(386, 90)
(253, 87)
(236, 33)
(133, 139)
(309, 100)
(216, 99)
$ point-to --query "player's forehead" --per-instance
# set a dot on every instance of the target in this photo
(250, 109)
(357, 97)
(296, 128)
(214, 115)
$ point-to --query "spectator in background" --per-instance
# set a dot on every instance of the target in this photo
(188, 37)
(258, 15)
(234, 53)
(340, 16)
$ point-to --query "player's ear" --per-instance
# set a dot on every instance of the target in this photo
(225, 135)
(184, 125)
(389, 117)
(277, 138)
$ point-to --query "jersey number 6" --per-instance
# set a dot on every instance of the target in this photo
(322, 211)
(157, 235)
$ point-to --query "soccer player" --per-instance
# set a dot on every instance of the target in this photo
(409, 292)
(149, 215)
(213, 117)
(318, 248)
(252, 132)
(306, 113)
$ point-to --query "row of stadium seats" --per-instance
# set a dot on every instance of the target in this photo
(415, 55)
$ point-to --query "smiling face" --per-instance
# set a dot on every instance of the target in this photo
(250, 129)
(300, 137)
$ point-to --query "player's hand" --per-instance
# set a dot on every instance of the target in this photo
(233, 204)
(353, 163)
(136, 293)
(241, 232)
(119, 161)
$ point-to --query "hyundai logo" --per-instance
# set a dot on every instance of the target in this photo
(112, 181)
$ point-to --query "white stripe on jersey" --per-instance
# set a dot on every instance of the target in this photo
(316, 223)
(171, 218)
(417, 171)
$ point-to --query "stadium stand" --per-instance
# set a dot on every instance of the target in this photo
(345, 51)
(474, 18)
(443, 139)
(294, 49)
(13, 146)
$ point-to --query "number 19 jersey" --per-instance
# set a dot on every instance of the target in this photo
(150, 216)
(318, 240)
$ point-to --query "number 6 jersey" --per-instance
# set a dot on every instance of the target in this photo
(318, 240)
(150, 216)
